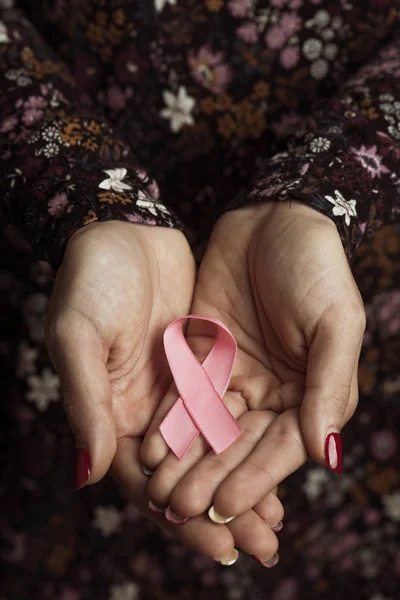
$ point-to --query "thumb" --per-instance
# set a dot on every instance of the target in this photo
(331, 387)
(79, 356)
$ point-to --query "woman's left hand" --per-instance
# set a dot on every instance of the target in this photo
(277, 276)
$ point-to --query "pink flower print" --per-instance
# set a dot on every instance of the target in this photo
(35, 102)
(278, 3)
(32, 116)
(248, 32)
(275, 37)
(286, 590)
(388, 314)
(290, 57)
(136, 218)
(290, 23)
(116, 98)
(294, 4)
(9, 124)
(371, 517)
(209, 70)
(342, 521)
(239, 8)
(383, 445)
(58, 204)
(370, 160)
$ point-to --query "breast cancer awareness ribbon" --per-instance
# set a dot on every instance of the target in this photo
(201, 387)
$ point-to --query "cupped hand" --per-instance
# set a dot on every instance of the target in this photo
(118, 288)
(278, 278)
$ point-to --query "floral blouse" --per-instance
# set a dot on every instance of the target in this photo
(170, 112)
(223, 103)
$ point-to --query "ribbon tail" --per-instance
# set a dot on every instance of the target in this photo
(178, 429)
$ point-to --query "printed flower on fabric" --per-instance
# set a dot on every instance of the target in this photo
(107, 519)
(209, 70)
(44, 389)
(392, 505)
(342, 207)
(179, 109)
(115, 180)
(240, 8)
(160, 4)
(124, 591)
(149, 204)
(4, 39)
(370, 160)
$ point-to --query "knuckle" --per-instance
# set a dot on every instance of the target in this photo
(188, 499)
(158, 491)
(152, 452)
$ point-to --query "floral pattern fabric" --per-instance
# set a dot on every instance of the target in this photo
(222, 102)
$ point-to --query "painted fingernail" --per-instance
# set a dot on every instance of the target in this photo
(154, 508)
(147, 471)
(173, 518)
(334, 452)
(278, 527)
(83, 467)
(227, 562)
(216, 518)
(267, 563)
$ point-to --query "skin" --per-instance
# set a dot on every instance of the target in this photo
(118, 288)
(283, 286)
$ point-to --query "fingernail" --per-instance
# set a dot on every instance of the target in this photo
(154, 508)
(147, 471)
(334, 452)
(83, 467)
(173, 518)
(227, 562)
(267, 563)
(278, 527)
(216, 518)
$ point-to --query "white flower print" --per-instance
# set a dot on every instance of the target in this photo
(179, 108)
(51, 134)
(44, 389)
(321, 18)
(327, 34)
(20, 76)
(4, 39)
(144, 201)
(319, 69)
(26, 359)
(159, 4)
(330, 51)
(392, 505)
(312, 48)
(343, 207)
(107, 519)
(115, 181)
(316, 480)
(319, 144)
(51, 149)
(125, 591)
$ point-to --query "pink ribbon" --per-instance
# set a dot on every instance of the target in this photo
(200, 407)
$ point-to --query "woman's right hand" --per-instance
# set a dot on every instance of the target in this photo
(119, 286)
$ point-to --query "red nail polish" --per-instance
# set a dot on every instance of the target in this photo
(334, 452)
(83, 467)
(256, 559)
(173, 518)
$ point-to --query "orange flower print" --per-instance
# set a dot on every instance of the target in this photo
(214, 5)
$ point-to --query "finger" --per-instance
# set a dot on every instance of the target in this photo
(256, 538)
(189, 485)
(200, 533)
(79, 357)
(154, 450)
(333, 360)
(270, 509)
(276, 456)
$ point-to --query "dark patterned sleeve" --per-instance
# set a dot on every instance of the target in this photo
(61, 166)
(345, 159)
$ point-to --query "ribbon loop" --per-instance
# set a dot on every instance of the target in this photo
(200, 407)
